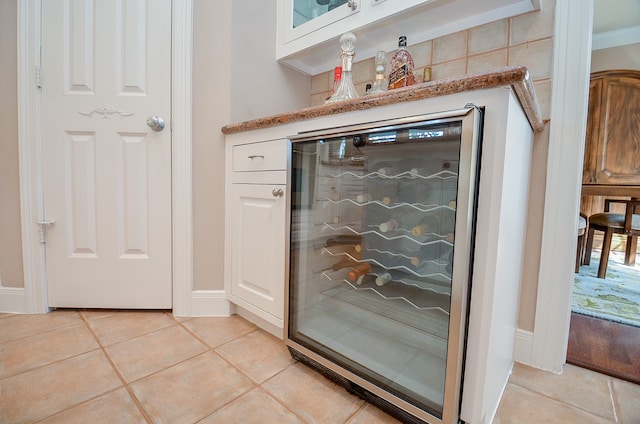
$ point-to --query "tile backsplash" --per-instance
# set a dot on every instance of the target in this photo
(522, 40)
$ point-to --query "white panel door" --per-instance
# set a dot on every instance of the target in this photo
(258, 243)
(106, 67)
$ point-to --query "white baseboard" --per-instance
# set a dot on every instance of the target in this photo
(210, 303)
(523, 346)
(204, 303)
(12, 300)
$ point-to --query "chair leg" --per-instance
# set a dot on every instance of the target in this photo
(604, 256)
(578, 252)
(587, 249)
(630, 251)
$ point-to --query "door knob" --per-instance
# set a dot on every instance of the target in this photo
(277, 192)
(156, 123)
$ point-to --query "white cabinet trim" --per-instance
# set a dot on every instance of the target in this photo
(572, 64)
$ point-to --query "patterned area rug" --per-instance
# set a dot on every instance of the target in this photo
(614, 298)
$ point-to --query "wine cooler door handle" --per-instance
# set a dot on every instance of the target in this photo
(277, 192)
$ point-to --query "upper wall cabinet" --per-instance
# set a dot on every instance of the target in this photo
(613, 136)
(309, 30)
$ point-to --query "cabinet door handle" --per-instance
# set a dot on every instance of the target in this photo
(255, 156)
(353, 4)
(277, 192)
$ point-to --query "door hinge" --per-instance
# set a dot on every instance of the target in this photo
(38, 77)
(43, 230)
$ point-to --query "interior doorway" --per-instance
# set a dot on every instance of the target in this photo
(608, 344)
(106, 168)
(30, 145)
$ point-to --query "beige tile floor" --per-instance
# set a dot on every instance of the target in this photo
(138, 367)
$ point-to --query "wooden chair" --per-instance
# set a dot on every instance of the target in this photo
(610, 223)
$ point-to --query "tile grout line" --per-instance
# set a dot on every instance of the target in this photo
(255, 383)
(561, 401)
(612, 396)
(84, 402)
(47, 330)
(115, 368)
(55, 362)
(276, 400)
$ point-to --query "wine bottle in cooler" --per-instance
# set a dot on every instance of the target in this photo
(401, 219)
(378, 191)
(383, 279)
(354, 251)
(404, 166)
(343, 263)
(391, 193)
(441, 222)
(384, 168)
(331, 263)
(358, 271)
(430, 167)
(431, 251)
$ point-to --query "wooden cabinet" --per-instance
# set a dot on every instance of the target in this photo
(308, 30)
(612, 149)
(612, 145)
(256, 206)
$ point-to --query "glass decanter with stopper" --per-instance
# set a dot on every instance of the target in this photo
(380, 83)
(346, 90)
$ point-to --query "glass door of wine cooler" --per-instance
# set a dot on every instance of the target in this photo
(380, 256)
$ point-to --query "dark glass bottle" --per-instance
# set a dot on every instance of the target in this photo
(401, 67)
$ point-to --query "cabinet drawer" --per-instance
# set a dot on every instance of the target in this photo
(267, 156)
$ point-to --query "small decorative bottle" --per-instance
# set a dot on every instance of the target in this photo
(401, 70)
(379, 85)
(345, 89)
(337, 76)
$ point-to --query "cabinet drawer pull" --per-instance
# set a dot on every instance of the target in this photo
(255, 156)
(353, 5)
(277, 192)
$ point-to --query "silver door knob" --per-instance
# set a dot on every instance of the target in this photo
(277, 192)
(156, 123)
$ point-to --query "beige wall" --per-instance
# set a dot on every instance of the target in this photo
(623, 57)
(235, 78)
(522, 40)
(211, 97)
(260, 86)
(10, 237)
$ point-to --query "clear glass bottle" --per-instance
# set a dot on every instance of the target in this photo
(380, 84)
(401, 69)
(346, 90)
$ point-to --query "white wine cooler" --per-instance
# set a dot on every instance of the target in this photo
(380, 258)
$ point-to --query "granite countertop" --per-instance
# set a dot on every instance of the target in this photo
(517, 77)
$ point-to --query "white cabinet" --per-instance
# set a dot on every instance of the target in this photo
(308, 31)
(258, 255)
(256, 205)
(257, 247)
